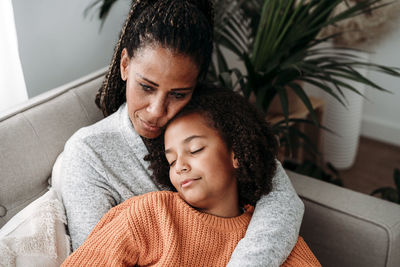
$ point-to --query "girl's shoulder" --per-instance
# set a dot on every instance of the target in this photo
(137, 208)
(156, 196)
(156, 201)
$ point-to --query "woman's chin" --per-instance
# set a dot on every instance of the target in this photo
(149, 134)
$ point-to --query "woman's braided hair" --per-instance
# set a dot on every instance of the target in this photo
(183, 26)
(243, 128)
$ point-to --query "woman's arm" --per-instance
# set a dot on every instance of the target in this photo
(84, 189)
(274, 227)
(301, 255)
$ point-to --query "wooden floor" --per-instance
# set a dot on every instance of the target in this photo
(373, 167)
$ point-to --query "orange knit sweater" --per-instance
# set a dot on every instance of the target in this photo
(161, 229)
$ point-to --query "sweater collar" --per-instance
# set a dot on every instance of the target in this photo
(133, 139)
(220, 223)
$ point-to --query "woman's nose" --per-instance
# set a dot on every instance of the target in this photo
(157, 107)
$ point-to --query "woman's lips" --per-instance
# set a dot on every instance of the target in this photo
(150, 127)
(188, 182)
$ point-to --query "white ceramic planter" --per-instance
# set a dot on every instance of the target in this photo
(341, 149)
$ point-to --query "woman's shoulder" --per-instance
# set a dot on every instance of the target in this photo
(104, 126)
(151, 205)
(149, 201)
(100, 132)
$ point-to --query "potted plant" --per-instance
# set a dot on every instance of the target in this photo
(284, 51)
(361, 32)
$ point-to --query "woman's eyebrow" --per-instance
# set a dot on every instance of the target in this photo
(182, 89)
(157, 85)
(187, 140)
(147, 80)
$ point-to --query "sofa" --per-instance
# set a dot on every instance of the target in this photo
(342, 227)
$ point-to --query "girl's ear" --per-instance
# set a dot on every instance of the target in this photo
(234, 160)
(124, 64)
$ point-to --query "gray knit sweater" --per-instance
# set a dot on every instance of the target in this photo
(102, 166)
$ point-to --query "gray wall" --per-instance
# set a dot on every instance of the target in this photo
(57, 44)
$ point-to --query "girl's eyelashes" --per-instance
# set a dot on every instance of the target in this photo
(172, 163)
(197, 150)
(191, 152)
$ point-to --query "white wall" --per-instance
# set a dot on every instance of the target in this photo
(57, 44)
(381, 116)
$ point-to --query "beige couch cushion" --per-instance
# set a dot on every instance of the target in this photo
(347, 228)
(32, 136)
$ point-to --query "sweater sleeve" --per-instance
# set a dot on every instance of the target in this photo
(84, 189)
(274, 227)
(111, 243)
(301, 256)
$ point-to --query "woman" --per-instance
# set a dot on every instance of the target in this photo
(164, 50)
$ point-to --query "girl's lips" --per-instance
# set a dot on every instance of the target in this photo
(188, 182)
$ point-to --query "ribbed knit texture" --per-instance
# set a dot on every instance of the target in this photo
(160, 229)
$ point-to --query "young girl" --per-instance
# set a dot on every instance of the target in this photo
(218, 155)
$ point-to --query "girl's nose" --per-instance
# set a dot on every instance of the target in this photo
(181, 166)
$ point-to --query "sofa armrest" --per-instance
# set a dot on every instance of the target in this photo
(347, 228)
(33, 134)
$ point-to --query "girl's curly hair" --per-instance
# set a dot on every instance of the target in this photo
(183, 26)
(243, 128)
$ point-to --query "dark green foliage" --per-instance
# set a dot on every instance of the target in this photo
(278, 42)
(325, 173)
(104, 7)
(390, 193)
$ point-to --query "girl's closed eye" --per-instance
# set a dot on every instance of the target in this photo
(195, 151)
(171, 160)
(171, 163)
